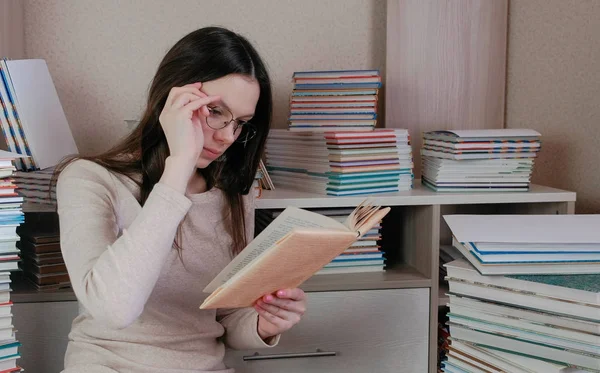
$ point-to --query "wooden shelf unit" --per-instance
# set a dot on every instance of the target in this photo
(412, 234)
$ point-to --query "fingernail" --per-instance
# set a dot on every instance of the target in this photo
(281, 293)
(269, 298)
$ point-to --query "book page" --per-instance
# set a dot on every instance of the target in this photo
(291, 218)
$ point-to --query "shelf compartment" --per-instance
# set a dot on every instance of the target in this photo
(399, 277)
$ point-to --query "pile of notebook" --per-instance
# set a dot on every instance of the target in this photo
(479, 160)
(341, 163)
(11, 217)
(528, 244)
(36, 189)
(364, 255)
(538, 310)
(334, 100)
(42, 261)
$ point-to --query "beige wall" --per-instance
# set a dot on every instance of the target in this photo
(102, 54)
(12, 33)
(553, 87)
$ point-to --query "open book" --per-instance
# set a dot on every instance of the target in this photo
(296, 245)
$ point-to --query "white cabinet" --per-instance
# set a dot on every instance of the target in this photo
(350, 331)
(43, 329)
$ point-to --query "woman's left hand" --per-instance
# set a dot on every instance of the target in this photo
(279, 311)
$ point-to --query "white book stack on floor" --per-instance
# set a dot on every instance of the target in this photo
(525, 297)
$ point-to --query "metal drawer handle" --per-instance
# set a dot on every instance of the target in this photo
(317, 353)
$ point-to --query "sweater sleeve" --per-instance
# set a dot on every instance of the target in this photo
(241, 325)
(113, 275)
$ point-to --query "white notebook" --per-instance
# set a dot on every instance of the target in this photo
(526, 229)
(45, 125)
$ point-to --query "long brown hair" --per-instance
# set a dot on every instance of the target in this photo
(202, 55)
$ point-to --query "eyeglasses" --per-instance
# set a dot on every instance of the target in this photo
(220, 118)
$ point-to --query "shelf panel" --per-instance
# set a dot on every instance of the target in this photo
(396, 278)
(419, 195)
(25, 292)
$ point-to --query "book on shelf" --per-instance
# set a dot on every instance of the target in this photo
(42, 262)
(32, 117)
(343, 100)
(291, 249)
(33, 124)
(486, 160)
(262, 180)
(341, 163)
(364, 255)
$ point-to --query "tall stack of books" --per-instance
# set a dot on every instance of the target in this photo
(334, 100)
(34, 124)
(11, 217)
(341, 163)
(42, 261)
(537, 313)
(365, 255)
(479, 160)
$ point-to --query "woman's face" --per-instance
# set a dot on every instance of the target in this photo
(238, 97)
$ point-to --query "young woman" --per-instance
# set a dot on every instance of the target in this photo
(146, 225)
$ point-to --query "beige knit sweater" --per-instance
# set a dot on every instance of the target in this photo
(139, 301)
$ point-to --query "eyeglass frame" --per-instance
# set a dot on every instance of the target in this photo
(237, 124)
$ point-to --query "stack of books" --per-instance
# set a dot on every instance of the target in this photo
(528, 244)
(341, 163)
(262, 181)
(522, 323)
(36, 189)
(33, 124)
(42, 261)
(11, 217)
(32, 118)
(536, 310)
(365, 255)
(334, 100)
(479, 160)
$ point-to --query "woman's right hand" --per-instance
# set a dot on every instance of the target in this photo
(183, 132)
(184, 135)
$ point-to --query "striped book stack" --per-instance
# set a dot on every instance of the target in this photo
(479, 160)
(32, 118)
(11, 217)
(341, 163)
(36, 190)
(363, 256)
(334, 100)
